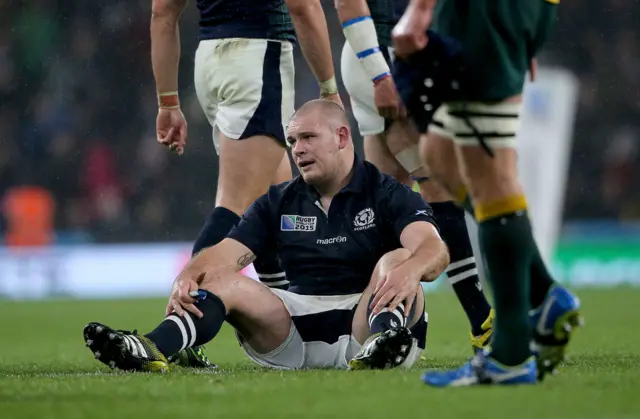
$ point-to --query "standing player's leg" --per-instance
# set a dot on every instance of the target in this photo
(377, 153)
(248, 110)
(462, 273)
(505, 237)
(388, 339)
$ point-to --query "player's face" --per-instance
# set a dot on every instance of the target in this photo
(314, 145)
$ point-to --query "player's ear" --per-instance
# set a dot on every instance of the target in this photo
(343, 136)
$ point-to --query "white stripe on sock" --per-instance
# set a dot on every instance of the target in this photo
(460, 263)
(463, 275)
(192, 329)
(177, 321)
(398, 313)
(143, 352)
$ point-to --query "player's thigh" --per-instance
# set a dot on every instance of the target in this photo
(389, 261)
(283, 173)
(360, 90)
(377, 152)
(251, 82)
(437, 151)
(247, 167)
(485, 135)
(256, 313)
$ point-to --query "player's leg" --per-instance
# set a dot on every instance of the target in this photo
(505, 238)
(258, 315)
(248, 110)
(388, 339)
(377, 152)
(402, 140)
(504, 229)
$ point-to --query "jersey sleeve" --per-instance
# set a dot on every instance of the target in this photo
(403, 206)
(255, 227)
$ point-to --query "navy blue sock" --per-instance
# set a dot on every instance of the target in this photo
(176, 333)
(215, 229)
(386, 320)
(269, 271)
(462, 271)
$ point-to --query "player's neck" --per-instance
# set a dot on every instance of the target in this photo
(339, 180)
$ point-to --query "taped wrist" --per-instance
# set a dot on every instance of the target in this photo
(168, 100)
(328, 87)
(360, 33)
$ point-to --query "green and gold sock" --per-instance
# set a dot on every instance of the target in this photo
(507, 244)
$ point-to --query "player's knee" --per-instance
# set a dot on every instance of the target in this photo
(392, 260)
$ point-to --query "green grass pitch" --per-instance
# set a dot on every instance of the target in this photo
(46, 372)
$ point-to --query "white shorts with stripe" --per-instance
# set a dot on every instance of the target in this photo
(320, 335)
(497, 123)
(246, 87)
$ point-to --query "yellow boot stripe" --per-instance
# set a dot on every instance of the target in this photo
(486, 210)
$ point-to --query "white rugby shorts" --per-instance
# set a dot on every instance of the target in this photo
(246, 87)
(320, 335)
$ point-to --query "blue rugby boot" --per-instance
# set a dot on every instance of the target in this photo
(483, 370)
(553, 323)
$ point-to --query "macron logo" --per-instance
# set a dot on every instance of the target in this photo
(332, 240)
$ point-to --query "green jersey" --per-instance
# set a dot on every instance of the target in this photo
(499, 39)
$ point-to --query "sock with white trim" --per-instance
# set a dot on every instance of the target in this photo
(462, 271)
(176, 333)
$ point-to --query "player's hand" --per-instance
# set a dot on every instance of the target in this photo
(334, 98)
(180, 300)
(387, 99)
(410, 33)
(401, 284)
(171, 129)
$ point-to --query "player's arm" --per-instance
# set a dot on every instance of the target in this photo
(412, 221)
(415, 226)
(243, 244)
(313, 36)
(165, 47)
(171, 126)
(247, 240)
(360, 33)
(430, 255)
(228, 256)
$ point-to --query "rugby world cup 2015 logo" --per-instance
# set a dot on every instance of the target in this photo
(297, 223)
(364, 220)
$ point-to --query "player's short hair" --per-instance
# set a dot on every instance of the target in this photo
(329, 109)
